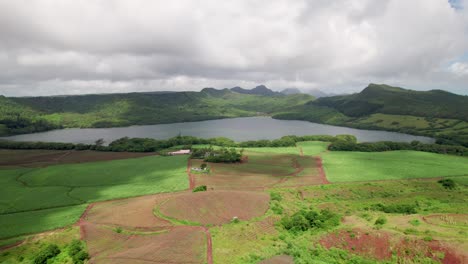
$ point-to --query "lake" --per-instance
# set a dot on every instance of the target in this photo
(238, 129)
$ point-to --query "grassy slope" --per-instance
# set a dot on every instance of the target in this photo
(66, 185)
(250, 241)
(362, 166)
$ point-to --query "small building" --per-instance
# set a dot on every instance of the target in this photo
(180, 152)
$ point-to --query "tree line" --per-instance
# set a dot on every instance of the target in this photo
(390, 145)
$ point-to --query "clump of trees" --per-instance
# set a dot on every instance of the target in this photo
(343, 145)
(222, 155)
(304, 220)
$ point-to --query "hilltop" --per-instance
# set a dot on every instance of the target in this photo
(434, 113)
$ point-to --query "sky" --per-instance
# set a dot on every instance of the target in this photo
(50, 47)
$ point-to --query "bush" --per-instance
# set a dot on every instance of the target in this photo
(395, 208)
(201, 188)
(310, 219)
(274, 196)
(77, 252)
(447, 183)
(48, 252)
(381, 220)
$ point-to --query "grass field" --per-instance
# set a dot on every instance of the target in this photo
(391, 165)
(313, 148)
(32, 190)
(38, 221)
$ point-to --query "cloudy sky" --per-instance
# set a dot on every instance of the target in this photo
(101, 46)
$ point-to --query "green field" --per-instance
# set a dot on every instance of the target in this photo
(313, 148)
(26, 192)
(391, 165)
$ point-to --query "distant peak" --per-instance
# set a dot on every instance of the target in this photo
(258, 90)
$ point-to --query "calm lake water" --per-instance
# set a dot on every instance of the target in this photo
(238, 129)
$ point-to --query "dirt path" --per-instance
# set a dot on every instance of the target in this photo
(209, 246)
(321, 171)
(190, 175)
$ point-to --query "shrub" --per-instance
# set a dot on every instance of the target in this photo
(48, 252)
(201, 188)
(309, 219)
(381, 220)
(274, 196)
(77, 252)
(118, 230)
(447, 183)
(395, 208)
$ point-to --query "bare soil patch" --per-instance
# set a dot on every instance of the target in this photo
(215, 207)
(130, 213)
(176, 245)
(43, 158)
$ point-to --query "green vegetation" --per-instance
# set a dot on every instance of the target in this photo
(382, 220)
(47, 253)
(33, 114)
(392, 165)
(56, 247)
(15, 224)
(341, 145)
(251, 242)
(38, 199)
(434, 113)
(395, 208)
(201, 188)
(313, 148)
(304, 220)
(218, 155)
(447, 183)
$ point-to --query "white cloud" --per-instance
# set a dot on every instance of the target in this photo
(48, 46)
(459, 68)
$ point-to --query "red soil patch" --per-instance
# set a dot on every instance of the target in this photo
(321, 171)
(42, 158)
(130, 213)
(381, 245)
(216, 207)
(283, 259)
(176, 245)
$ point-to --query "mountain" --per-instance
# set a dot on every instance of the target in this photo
(434, 113)
(398, 101)
(259, 90)
(317, 93)
(289, 91)
(34, 114)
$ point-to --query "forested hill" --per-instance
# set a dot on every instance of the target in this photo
(33, 114)
(397, 101)
(435, 113)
